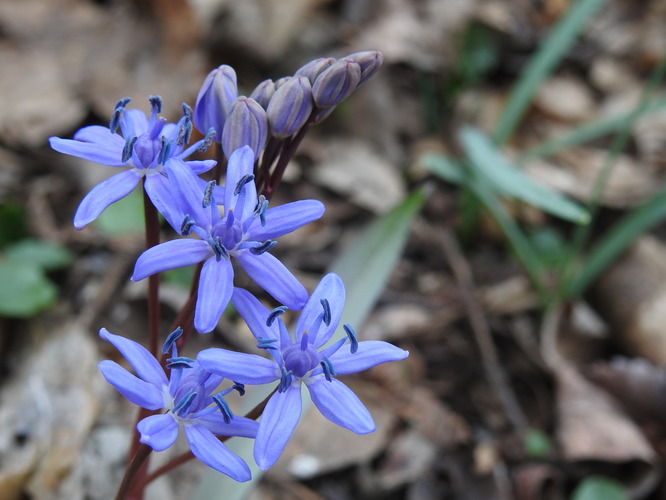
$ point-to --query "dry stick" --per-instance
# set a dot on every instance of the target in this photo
(494, 373)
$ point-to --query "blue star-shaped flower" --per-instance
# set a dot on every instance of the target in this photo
(301, 359)
(187, 397)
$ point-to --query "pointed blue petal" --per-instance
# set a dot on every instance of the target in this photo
(271, 275)
(142, 362)
(201, 166)
(158, 431)
(215, 287)
(95, 143)
(339, 404)
(370, 353)
(332, 289)
(254, 313)
(170, 255)
(207, 448)
(104, 194)
(160, 192)
(188, 195)
(134, 389)
(238, 366)
(277, 424)
(241, 163)
(133, 123)
(286, 218)
(238, 426)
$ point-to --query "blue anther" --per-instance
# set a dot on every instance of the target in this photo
(266, 343)
(222, 404)
(117, 113)
(241, 183)
(327, 311)
(171, 338)
(184, 131)
(278, 311)
(218, 248)
(128, 149)
(165, 149)
(263, 248)
(179, 362)
(181, 406)
(352, 337)
(187, 111)
(186, 226)
(285, 380)
(208, 194)
(260, 210)
(156, 103)
(327, 366)
(239, 387)
(207, 141)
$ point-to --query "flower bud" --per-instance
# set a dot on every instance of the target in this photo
(336, 83)
(369, 61)
(263, 92)
(312, 69)
(290, 106)
(214, 100)
(246, 125)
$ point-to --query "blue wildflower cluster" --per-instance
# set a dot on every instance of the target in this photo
(256, 136)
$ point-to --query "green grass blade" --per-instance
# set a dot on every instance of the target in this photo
(560, 39)
(511, 181)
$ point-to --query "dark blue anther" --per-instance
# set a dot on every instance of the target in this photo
(207, 141)
(222, 404)
(171, 338)
(179, 362)
(285, 380)
(352, 337)
(266, 343)
(187, 111)
(156, 103)
(186, 226)
(241, 183)
(184, 131)
(128, 149)
(208, 194)
(260, 210)
(165, 149)
(239, 387)
(327, 311)
(184, 403)
(327, 366)
(278, 311)
(117, 113)
(218, 248)
(263, 248)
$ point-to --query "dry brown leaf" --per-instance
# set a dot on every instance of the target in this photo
(566, 98)
(538, 482)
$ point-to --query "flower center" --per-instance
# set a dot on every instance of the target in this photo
(299, 359)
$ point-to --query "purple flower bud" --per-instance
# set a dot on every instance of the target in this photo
(369, 61)
(263, 92)
(290, 106)
(214, 100)
(312, 69)
(281, 81)
(246, 125)
(336, 83)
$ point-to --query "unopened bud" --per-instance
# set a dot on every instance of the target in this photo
(246, 125)
(314, 68)
(369, 61)
(214, 100)
(336, 83)
(263, 92)
(290, 106)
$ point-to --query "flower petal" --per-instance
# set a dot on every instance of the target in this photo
(94, 143)
(104, 194)
(271, 275)
(286, 218)
(370, 353)
(133, 123)
(241, 163)
(238, 426)
(207, 448)
(239, 366)
(201, 166)
(134, 389)
(188, 193)
(170, 255)
(277, 424)
(144, 364)
(158, 431)
(332, 289)
(255, 314)
(340, 405)
(215, 287)
(160, 192)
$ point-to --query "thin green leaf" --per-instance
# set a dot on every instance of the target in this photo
(24, 289)
(559, 40)
(599, 488)
(443, 167)
(510, 180)
(46, 255)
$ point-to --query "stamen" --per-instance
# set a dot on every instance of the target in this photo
(285, 380)
(222, 404)
(240, 388)
(260, 210)
(171, 338)
(304, 341)
(266, 343)
(352, 337)
(184, 403)
(207, 141)
(117, 113)
(208, 194)
(263, 248)
(278, 311)
(327, 311)
(186, 226)
(128, 149)
(327, 366)
(184, 131)
(218, 248)
(187, 111)
(241, 183)
(165, 149)
(155, 103)
(179, 362)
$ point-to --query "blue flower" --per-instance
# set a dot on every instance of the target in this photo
(297, 359)
(245, 231)
(148, 147)
(186, 396)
